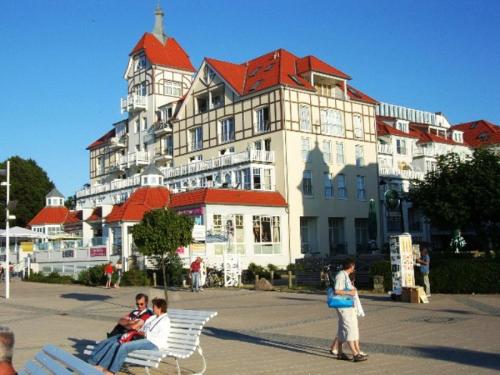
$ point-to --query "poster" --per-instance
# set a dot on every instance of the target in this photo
(27, 247)
(401, 251)
(98, 251)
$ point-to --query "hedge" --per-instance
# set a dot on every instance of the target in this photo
(453, 275)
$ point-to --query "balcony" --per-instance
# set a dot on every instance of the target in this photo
(164, 154)
(421, 151)
(400, 173)
(133, 102)
(118, 142)
(162, 127)
(134, 159)
(248, 156)
(384, 149)
(113, 186)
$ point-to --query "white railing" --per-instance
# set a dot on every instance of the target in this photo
(111, 186)
(384, 149)
(69, 255)
(133, 102)
(162, 127)
(135, 158)
(405, 174)
(249, 156)
(221, 161)
(421, 151)
(119, 142)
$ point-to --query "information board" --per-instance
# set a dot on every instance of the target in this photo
(401, 251)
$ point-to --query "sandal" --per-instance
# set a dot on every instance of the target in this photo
(359, 358)
(334, 352)
(344, 357)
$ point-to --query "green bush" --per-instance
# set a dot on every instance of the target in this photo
(135, 277)
(460, 274)
(254, 269)
(93, 276)
(51, 278)
(174, 272)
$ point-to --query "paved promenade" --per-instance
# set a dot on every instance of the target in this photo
(272, 332)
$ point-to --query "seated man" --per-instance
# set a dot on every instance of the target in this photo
(135, 319)
(6, 351)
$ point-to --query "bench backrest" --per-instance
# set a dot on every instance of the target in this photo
(54, 360)
(185, 328)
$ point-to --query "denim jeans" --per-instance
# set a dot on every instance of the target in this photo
(110, 354)
(196, 280)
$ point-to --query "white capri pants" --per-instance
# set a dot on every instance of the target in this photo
(348, 324)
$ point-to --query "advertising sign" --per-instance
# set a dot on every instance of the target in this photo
(68, 253)
(401, 251)
(197, 249)
(27, 246)
(98, 251)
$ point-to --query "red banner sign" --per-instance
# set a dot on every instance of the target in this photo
(98, 251)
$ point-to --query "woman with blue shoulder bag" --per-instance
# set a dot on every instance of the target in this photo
(348, 330)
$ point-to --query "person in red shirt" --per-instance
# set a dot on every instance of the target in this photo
(195, 275)
(108, 271)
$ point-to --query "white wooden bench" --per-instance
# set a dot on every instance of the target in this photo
(183, 340)
(53, 360)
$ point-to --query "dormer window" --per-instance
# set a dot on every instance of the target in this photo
(458, 137)
(140, 63)
(403, 126)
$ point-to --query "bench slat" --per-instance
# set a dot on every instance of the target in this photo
(71, 361)
(51, 364)
(33, 368)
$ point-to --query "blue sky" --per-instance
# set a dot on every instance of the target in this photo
(63, 60)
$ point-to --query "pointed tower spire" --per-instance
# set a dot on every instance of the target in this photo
(158, 29)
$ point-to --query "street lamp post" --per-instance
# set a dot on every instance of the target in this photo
(6, 172)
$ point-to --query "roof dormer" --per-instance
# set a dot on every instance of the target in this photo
(54, 199)
(402, 125)
(457, 136)
(151, 176)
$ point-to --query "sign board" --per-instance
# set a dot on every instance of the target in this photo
(27, 246)
(68, 253)
(197, 249)
(97, 251)
(401, 251)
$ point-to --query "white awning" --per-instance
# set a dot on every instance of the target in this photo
(18, 232)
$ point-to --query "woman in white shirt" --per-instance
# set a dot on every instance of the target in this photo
(109, 355)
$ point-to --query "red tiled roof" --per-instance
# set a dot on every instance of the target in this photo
(479, 133)
(170, 54)
(50, 215)
(96, 214)
(229, 197)
(104, 139)
(278, 67)
(430, 137)
(142, 200)
(386, 129)
(312, 63)
(73, 217)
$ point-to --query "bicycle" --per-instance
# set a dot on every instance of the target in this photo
(214, 278)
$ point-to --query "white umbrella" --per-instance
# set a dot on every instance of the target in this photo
(18, 232)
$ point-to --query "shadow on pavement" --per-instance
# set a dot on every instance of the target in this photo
(463, 356)
(299, 299)
(85, 297)
(80, 344)
(224, 334)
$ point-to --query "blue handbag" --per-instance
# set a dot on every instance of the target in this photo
(338, 302)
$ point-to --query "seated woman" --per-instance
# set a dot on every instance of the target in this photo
(109, 355)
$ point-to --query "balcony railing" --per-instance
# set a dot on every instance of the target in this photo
(162, 127)
(135, 158)
(405, 174)
(164, 153)
(420, 151)
(119, 142)
(133, 102)
(111, 186)
(384, 149)
(221, 161)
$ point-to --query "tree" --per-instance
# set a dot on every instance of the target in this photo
(462, 193)
(160, 233)
(29, 186)
(70, 202)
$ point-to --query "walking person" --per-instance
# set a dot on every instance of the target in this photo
(334, 348)
(348, 330)
(425, 262)
(108, 271)
(195, 275)
(110, 354)
(119, 271)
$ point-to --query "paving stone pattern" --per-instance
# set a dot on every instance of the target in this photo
(272, 332)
